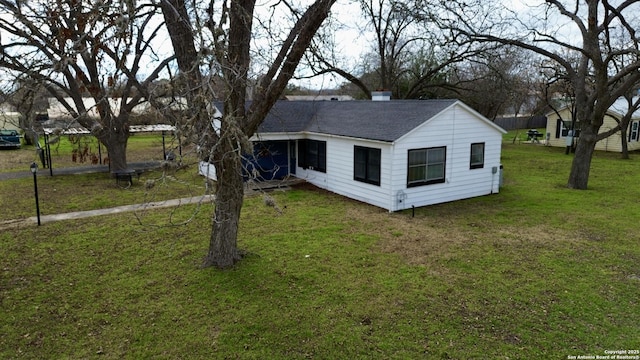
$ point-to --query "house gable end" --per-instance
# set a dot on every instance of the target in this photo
(457, 106)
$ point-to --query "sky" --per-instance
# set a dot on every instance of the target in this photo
(352, 44)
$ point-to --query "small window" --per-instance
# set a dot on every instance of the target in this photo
(477, 156)
(426, 166)
(366, 164)
(562, 128)
(312, 154)
(566, 126)
(634, 134)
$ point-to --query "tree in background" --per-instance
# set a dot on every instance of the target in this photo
(217, 39)
(409, 56)
(29, 99)
(499, 82)
(77, 49)
(608, 65)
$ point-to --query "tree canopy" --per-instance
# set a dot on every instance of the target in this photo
(594, 42)
(77, 49)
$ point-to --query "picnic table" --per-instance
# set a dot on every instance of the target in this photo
(533, 135)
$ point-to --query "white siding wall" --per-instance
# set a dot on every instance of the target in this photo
(456, 129)
(614, 142)
(339, 175)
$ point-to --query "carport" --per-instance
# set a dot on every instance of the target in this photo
(45, 153)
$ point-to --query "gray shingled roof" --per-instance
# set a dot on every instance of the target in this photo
(374, 120)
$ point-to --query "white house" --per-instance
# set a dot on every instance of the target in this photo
(391, 154)
(559, 124)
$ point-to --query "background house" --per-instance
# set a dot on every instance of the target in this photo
(559, 124)
(9, 117)
(391, 154)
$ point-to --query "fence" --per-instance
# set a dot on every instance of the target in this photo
(522, 122)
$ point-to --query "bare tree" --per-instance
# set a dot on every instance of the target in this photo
(606, 70)
(225, 48)
(410, 56)
(77, 49)
(498, 82)
(28, 98)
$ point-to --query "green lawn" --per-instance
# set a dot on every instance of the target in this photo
(535, 272)
(141, 147)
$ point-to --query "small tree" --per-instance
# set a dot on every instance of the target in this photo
(505, 73)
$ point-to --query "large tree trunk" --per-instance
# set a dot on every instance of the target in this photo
(579, 176)
(117, 150)
(223, 248)
(115, 141)
(223, 147)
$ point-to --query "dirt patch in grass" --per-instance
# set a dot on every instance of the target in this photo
(424, 243)
(15, 224)
(15, 160)
(418, 241)
(433, 236)
(430, 239)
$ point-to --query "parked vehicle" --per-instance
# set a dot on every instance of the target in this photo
(9, 139)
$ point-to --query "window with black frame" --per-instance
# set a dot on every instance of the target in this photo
(366, 164)
(426, 166)
(562, 128)
(312, 154)
(477, 156)
(634, 133)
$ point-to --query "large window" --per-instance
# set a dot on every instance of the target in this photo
(312, 154)
(477, 156)
(426, 166)
(366, 164)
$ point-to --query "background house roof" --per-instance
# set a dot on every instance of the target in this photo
(319, 97)
(374, 120)
(618, 108)
(621, 106)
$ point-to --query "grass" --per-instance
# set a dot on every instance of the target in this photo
(537, 271)
(61, 194)
(140, 147)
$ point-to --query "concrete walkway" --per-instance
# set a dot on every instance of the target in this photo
(90, 213)
(124, 208)
(251, 188)
(107, 211)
